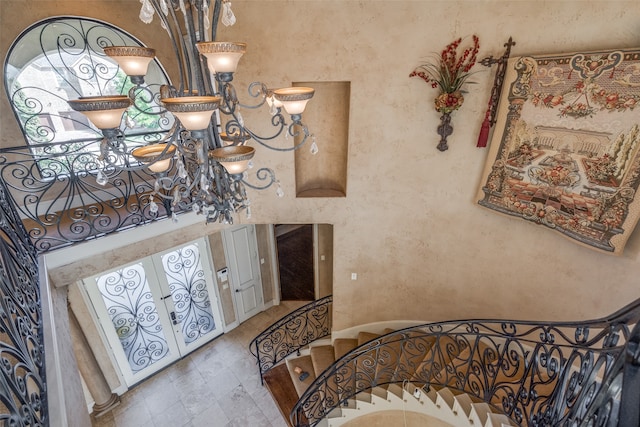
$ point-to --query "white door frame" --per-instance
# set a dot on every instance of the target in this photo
(275, 268)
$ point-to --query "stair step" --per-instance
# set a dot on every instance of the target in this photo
(321, 342)
(462, 405)
(498, 420)
(322, 357)
(480, 414)
(278, 382)
(304, 363)
(364, 337)
(343, 346)
(445, 398)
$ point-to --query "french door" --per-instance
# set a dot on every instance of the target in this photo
(158, 309)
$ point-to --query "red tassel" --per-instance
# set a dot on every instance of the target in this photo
(484, 134)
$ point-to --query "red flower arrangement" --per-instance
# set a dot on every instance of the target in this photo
(449, 73)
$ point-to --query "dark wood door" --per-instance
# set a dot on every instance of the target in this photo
(295, 261)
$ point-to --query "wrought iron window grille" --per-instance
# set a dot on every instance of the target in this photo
(52, 178)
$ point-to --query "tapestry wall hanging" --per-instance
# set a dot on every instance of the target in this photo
(565, 149)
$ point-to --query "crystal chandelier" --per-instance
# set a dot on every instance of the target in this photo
(201, 163)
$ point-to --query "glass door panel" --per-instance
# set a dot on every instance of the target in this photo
(193, 302)
(158, 309)
(140, 334)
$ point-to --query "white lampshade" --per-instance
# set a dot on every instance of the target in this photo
(194, 112)
(133, 60)
(222, 57)
(105, 112)
(294, 99)
(234, 158)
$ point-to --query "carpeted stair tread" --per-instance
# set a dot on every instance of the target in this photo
(305, 363)
(343, 346)
(322, 357)
(364, 337)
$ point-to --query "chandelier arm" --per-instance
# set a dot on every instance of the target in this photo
(216, 18)
(171, 31)
(229, 96)
(261, 140)
(142, 94)
(195, 69)
(262, 174)
(261, 91)
(188, 51)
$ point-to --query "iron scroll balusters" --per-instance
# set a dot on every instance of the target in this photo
(537, 374)
(24, 389)
(291, 333)
(52, 180)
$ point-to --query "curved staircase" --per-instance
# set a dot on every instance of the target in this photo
(457, 373)
(390, 403)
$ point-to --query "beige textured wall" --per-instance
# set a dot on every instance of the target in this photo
(410, 226)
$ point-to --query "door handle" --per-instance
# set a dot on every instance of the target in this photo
(173, 318)
(237, 290)
(165, 297)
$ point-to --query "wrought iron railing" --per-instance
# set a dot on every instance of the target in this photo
(538, 374)
(60, 207)
(23, 398)
(64, 188)
(291, 333)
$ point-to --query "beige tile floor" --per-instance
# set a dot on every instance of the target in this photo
(217, 385)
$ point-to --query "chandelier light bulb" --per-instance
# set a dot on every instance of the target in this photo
(194, 112)
(222, 57)
(235, 159)
(133, 60)
(105, 112)
(294, 99)
(156, 156)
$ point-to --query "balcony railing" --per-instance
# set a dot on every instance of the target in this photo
(23, 395)
(60, 202)
(64, 190)
(292, 332)
(538, 374)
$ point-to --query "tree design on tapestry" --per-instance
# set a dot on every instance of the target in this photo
(565, 152)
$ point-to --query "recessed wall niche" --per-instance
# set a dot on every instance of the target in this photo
(327, 116)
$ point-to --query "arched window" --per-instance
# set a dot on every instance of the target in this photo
(60, 59)
(58, 180)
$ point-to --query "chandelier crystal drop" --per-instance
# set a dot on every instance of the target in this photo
(201, 164)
